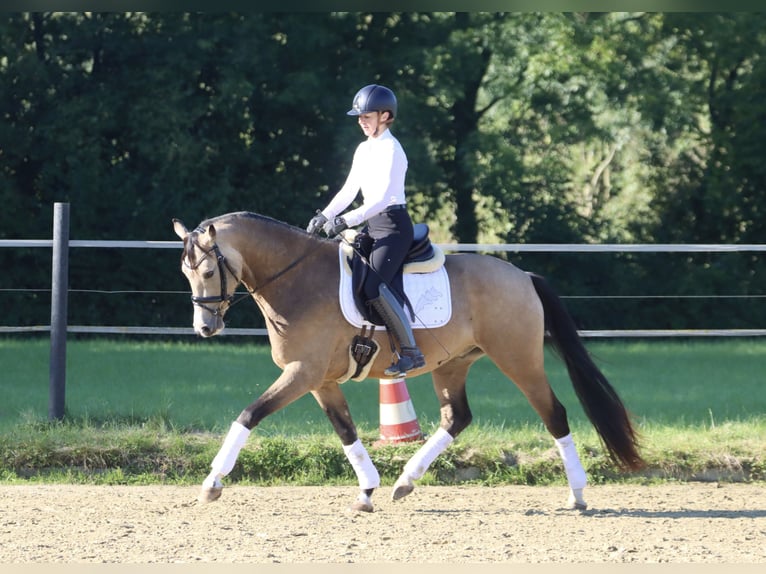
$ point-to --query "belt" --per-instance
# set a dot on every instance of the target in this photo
(395, 207)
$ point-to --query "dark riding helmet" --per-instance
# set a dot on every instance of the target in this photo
(373, 98)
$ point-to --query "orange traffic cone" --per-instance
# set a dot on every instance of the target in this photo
(398, 421)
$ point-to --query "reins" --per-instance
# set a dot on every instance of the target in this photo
(227, 301)
(286, 269)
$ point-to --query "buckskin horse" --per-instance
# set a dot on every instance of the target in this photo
(497, 310)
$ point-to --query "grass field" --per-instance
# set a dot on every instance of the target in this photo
(204, 386)
(687, 396)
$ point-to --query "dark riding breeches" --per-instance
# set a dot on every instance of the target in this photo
(392, 235)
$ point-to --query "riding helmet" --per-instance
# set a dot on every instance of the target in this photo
(373, 98)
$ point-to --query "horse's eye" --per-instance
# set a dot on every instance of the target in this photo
(208, 274)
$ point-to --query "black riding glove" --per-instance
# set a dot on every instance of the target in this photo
(332, 228)
(316, 222)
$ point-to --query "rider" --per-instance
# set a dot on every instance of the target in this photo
(378, 169)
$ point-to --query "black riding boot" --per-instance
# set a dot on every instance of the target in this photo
(396, 321)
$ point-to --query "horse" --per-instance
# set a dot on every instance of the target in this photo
(497, 310)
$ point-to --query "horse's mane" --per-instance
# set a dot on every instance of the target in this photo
(241, 215)
(246, 215)
(269, 221)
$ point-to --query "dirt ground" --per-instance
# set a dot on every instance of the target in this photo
(680, 523)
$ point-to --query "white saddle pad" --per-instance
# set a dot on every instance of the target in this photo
(429, 294)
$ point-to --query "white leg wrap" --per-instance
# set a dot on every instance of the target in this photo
(417, 466)
(227, 455)
(362, 464)
(572, 466)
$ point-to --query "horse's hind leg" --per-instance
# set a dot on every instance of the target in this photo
(575, 473)
(554, 416)
(333, 403)
(449, 385)
(530, 377)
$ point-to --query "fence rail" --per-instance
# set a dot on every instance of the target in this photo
(481, 247)
(454, 247)
(233, 331)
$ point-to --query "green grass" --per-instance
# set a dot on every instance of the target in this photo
(198, 386)
(154, 411)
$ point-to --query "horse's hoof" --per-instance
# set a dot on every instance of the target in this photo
(576, 501)
(574, 505)
(363, 503)
(361, 506)
(210, 494)
(402, 488)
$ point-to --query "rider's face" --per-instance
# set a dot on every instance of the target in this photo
(369, 123)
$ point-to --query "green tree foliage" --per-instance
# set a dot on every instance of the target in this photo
(519, 127)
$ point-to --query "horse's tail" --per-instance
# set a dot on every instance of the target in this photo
(600, 401)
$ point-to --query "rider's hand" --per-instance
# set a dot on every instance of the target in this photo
(332, 228)
(316, 222)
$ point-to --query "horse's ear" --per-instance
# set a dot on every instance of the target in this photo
(180, 228)
(211, 232)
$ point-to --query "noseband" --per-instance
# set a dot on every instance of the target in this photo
(223, 300)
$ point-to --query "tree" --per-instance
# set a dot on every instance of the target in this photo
(519, 127)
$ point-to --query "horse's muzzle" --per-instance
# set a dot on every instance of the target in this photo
(207, 324)
(206, 331)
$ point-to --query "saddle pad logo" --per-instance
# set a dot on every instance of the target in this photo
(429, 294)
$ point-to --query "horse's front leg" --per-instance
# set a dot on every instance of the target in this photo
(333, 403)
(292, 384)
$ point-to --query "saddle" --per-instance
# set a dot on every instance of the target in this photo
(422, 257)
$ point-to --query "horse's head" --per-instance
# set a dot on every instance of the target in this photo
(213, 278)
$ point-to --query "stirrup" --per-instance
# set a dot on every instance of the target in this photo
(410, 358)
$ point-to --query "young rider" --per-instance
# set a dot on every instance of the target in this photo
(378, 169)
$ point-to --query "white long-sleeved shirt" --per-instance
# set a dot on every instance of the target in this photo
(378, 169)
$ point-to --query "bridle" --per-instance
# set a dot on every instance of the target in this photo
(224, 301)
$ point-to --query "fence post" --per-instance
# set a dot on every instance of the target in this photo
(59, 295)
